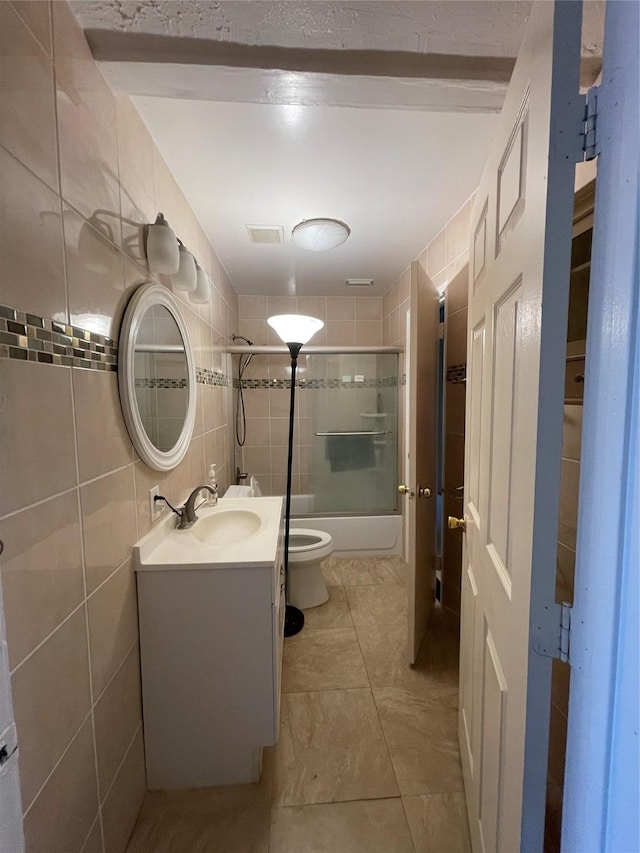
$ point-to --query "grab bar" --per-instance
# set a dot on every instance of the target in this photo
(354, 432)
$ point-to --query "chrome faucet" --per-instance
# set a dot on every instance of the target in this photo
(187, 513)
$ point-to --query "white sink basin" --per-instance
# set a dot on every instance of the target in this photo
(236, 532)
(232, 525)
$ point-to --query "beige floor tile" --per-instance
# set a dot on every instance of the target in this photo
(331, 749)
(422, 735)
(331, 573)
(373, 570)
(323, 659)
(233, 830)
(224, 819)
(384, 648)
(374, 826)
(378, 604)
(438, 823)
(333, 614)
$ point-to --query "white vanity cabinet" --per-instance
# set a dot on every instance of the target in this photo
(211, 639)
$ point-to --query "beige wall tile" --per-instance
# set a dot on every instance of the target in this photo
(368, 308)
(31, 244)
(341, 308)
(257, 461)
(145, 479)
(118, 714)
(103, 442)
(95, 276)
(111, 638)
(369, 333)
(41, 571)
(255, 330)
(86, 123)
(37, 404)
(51, 698)
(313, 306)
(252, 307)
(121, 807)
(457, 292)
(258, 433)
(93, 844)
(28, 127)
(437, 254)
(37, 17)
(109, 524)
(281, 305)
(63, 814)
(457, 231)
(341, 333)
(279, 402)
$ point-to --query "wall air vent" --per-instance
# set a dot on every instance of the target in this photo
(359, 282)
(268, 235)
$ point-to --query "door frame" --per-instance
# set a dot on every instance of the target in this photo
(601, 776)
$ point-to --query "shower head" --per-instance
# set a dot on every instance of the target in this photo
(241, 338)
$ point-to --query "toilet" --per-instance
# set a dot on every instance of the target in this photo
(308, 548)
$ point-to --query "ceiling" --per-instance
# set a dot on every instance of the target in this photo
(376, 113)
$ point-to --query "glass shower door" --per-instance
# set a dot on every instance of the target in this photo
(352, 432)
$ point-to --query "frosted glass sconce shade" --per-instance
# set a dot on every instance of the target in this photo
(202, 292)
(185, 278)
(295, 328)
(320, 235)
(162, 247)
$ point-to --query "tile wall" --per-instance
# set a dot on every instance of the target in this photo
(348, 321)
(79, 175)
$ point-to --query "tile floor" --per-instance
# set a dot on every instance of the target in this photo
(368, 757)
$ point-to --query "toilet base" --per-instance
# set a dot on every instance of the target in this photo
(307, 586)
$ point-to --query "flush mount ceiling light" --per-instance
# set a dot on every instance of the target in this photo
(320, 235)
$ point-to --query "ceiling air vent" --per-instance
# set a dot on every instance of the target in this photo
(268, 235)
(359, 282)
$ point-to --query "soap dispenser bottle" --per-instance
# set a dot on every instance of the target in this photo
(212, 500)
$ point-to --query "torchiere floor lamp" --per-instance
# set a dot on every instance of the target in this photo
(295, 330)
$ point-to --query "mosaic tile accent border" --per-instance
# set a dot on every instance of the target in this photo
(389, 382)
(457, 373)
(204, 376)
(160, 383)
(27, 337)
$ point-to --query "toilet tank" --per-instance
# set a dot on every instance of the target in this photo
(239, 492)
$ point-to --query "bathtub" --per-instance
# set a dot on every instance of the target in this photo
(353, 535)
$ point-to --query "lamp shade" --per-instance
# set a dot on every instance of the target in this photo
(202, 292)
(186, 277)
(295, 328)
(319, 235)
(162, 247)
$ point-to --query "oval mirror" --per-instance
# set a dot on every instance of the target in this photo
(157, 377)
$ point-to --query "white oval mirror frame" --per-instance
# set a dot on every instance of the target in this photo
(146, 297)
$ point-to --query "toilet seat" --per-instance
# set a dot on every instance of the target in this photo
(310, 542)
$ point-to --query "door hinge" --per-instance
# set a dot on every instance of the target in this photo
(553, 636)
(590, 148)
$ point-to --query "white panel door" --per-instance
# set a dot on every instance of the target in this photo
(518, 295)
(422, 391)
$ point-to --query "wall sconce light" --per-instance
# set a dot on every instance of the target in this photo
(167, 254)
(162, 247)
(202, 291)
(185, 278)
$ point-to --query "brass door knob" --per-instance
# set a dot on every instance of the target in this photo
(457, 523)
(405, 490)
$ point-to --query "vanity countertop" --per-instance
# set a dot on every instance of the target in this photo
(164, 548)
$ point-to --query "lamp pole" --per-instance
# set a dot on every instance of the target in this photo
(293, 618)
